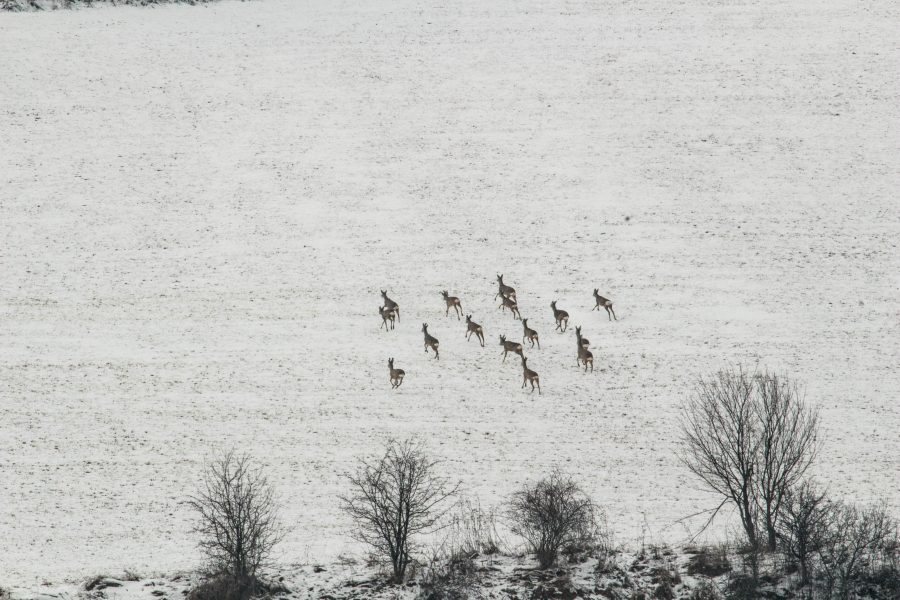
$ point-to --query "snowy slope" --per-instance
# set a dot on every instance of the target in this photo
(199, 206)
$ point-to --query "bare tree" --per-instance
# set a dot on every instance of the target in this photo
(789, 436)
(396, 498)
(551, 514)
(749, 438)
(804, 515)
(720, 442)
(238, 523)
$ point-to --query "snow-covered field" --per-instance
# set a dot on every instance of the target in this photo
(199, 206)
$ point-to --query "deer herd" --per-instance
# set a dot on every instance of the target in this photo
(390, 312)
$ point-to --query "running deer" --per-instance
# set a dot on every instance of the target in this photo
(396, 374)
(605, 303)
(505, 290)
(583, 342)
(510, 347)
(452, 301)
(390, 304)
(529, 376)
(386, 315)
(530, 334)
(430, 341)
(584, 355)
(561, 316)
(510, 303)
(473, 327)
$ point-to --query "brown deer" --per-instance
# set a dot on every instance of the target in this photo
(605, 303)
(529, 376)
(390, 304)
(452, 301)
(386, 315)
(510, 347)
(510, 303)
(583, 342)
(396, 374)
(473, 327)
(530, 334)
(430, 341)
(505, 290)
(561, 316)
(584, 355)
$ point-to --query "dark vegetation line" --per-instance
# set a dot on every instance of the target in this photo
(37, 5)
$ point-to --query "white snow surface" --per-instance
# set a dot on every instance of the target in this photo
(200, 204)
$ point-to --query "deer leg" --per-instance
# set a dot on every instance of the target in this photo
(481, 339)
(539, 387)
(613, 313)
(504, 356)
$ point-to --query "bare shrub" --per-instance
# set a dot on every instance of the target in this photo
(705, 590)
(215, 587)
(749, 438)
(742, 585)
(857, 541)
(237, 521)
(453, 578)
(665, 578)
(709, 561)
(805, 514)
(552, 514)
(396, 498)
(472, 530)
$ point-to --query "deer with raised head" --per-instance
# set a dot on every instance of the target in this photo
(505, 290)
(452, 302)
(510, 303)
(510, 347)
(584, 355)
(529, 376)
(386, 315)
(396, 374)
(583, 342)
(605, 303)
(473, 327)
(561, 316)
(530, 334)
(430, 341)
(390, 304)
